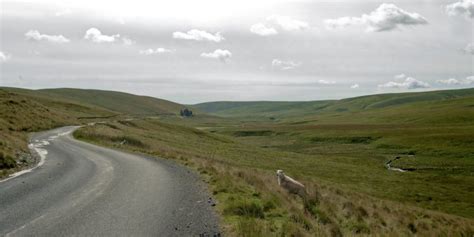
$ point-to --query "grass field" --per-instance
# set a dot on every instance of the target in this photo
(338, 149)
(349, 194)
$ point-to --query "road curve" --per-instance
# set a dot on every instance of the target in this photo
(86, 190)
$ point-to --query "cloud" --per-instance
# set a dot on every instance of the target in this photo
(127, 41)
(285, 23)
(285, 65)
(325, 82)
(400, 76)
(453, 81)
(408, 83)
(263, 30)
(355, 86)
(4, 57)
(385, 18)
(96, 36)
(37, 36)
(198, 35)
(469, 48)
(221, 54)
(461, 8)
(450, 81)
(155, 51)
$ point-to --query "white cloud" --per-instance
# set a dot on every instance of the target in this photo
(221, 54)
(461, 8)
(385, 18)
(96, 36)
(453, 81)
(400, 76)
(4, 57)
(450, 81)
(37, 36)
(198, 35)
(355, 86)
(285, 65)
(155, 51)
(469, 48)
(287, 23)
(408, 83)
(263, 30)
(127, 41)
(325, 82)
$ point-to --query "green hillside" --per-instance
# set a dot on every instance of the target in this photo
(120, 102)
(357, 104)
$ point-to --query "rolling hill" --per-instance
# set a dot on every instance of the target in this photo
(305, 108)
(23, 111)
(120, 102)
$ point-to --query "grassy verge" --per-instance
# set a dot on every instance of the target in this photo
(240, 173)
(22, 114)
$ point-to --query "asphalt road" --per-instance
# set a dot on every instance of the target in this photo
(86, 190)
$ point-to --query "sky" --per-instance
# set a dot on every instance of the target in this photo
(212, 50)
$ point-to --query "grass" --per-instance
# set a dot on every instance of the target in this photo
(338, 149)
(241, 177)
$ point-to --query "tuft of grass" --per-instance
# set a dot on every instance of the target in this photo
(246, 208)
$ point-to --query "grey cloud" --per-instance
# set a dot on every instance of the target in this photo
(37, 36)
(461, 8)
(385, 18)
(469, 48)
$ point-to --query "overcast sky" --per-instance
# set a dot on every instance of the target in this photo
(194, 51)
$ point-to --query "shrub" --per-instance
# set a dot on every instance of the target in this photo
(6, 161)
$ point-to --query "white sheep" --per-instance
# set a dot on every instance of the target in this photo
(290, 184)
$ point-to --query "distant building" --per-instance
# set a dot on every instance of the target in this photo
(186, 112)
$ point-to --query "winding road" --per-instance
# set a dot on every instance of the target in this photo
(80, 189)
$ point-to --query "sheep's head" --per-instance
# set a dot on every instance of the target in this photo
(280, 176)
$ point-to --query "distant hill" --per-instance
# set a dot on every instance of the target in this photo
(261, 108)
(120, 102)
(388, 102)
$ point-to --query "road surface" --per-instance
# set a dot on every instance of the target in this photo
(85, 190)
